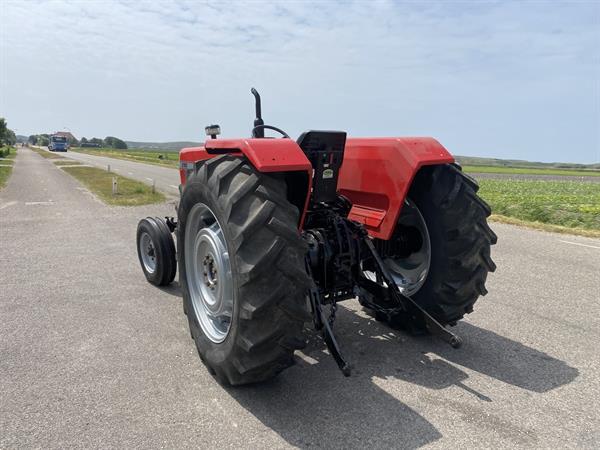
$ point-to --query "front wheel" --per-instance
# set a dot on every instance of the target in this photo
(156, 251)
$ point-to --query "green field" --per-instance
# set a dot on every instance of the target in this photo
(495, 162)
(569, 204)
(531, 171)
(130, 192)
(148, 156)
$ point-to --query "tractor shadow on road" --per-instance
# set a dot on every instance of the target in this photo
(173, 289)
(313, 405)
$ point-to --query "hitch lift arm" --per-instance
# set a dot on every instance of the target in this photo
(399, 303)
(432, 325)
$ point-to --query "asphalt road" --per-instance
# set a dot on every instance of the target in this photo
(91, 355)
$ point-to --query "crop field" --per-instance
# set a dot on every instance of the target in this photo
(531, 171)
(163, 158)
(570, 204)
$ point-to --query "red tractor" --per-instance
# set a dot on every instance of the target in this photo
(272, 231)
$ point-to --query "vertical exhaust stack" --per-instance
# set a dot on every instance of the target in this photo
(260, 132)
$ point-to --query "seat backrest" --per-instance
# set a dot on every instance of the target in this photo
(325, 151)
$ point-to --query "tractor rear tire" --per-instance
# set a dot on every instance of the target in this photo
(460, 240)
(248, 331)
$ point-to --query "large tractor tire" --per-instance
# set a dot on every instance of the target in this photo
(448, 268)
(241, 263)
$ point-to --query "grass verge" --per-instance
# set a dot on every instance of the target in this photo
(4, 174)
(545, 226)
(46, 153)
(531, 171)
(160, 158)
(130, 192)
(8, 155)
(571, 205)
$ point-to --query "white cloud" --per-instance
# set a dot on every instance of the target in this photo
(506, 79)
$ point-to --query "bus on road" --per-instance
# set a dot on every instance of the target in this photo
(58, 144)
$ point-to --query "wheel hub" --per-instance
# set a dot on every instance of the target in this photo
(409, 265)
(208, 273)
(409, 272)
(148, 252)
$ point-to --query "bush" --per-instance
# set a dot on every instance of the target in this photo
(113, 142)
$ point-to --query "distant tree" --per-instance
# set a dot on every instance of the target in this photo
(10, 137)
(73, 142)
(113, 142)
(43, 140)
(96, 141)
(3, 130)
(32, 139)
(83, 140)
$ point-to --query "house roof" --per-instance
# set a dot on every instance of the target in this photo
(66, 134)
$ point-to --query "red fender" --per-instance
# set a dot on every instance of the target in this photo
(267, 155)
(377, 173)
(375, 176)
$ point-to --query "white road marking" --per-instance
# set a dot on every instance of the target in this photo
(582, 245)
(39, 203)
(6, 205)
(116, 170)
(149, 179)
(174, 187)
(73, 165)
(130, 173)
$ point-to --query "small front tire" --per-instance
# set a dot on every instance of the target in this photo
(156, 251)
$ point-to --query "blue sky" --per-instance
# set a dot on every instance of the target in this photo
(502, 79)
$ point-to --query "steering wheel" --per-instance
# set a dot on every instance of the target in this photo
(269, 127)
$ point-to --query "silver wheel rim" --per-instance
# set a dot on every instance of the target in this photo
(208, 273)
(148, 252)
(411, 272)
